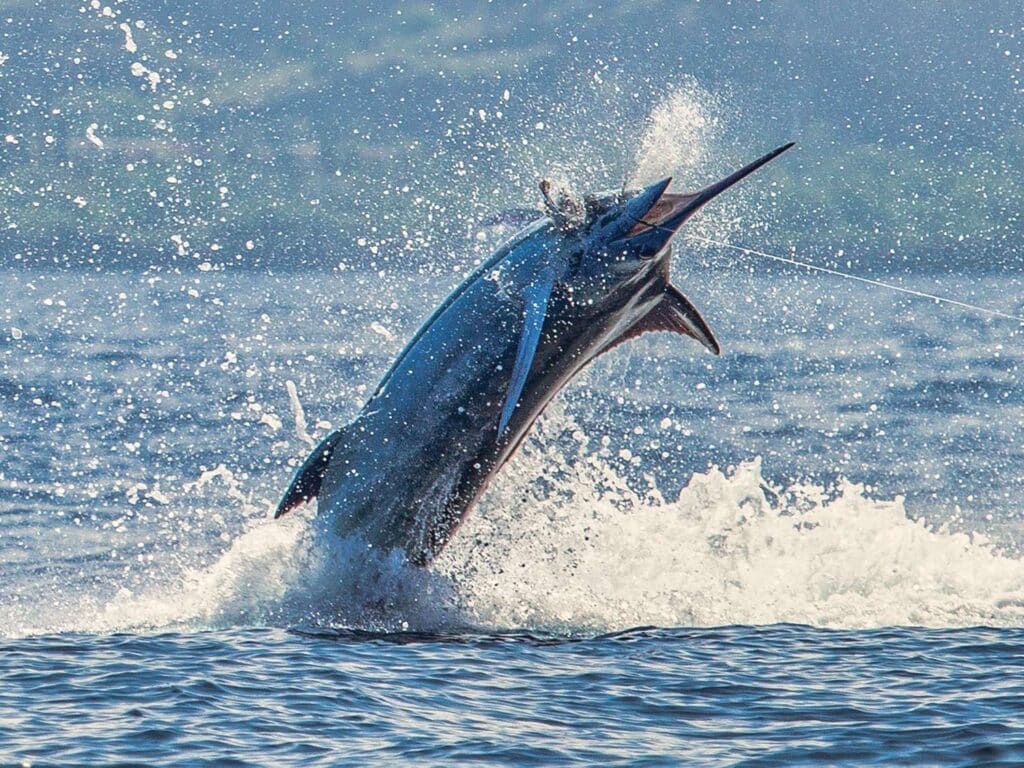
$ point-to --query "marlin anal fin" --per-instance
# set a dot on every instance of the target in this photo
(675, 314)
(306, 483)
(535, 307)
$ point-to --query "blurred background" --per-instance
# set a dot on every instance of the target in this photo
(139, 134)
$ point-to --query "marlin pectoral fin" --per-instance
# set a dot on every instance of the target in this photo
(513, 217)
(675, 314)
(306, 483)
(535, 307)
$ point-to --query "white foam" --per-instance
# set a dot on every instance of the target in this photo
(587, 551)
(129, 41)
(90, 134)
(289, 572)
(562, 542)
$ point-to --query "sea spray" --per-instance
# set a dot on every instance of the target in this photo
(563, 542)
(294, 573)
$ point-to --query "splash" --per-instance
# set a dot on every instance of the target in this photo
(565, 543)
(684, 138)
(680, 135)
(290, 573)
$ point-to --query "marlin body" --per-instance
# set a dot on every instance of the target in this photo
(464, 392)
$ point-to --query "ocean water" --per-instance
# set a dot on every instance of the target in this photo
(806, 551)
(782, 695)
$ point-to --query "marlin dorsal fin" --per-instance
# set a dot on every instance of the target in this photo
(308, 478)
(535, 307)
(513, 217)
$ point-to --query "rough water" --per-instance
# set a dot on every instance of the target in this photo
(807, 551)
(781, 695)
(850, 464)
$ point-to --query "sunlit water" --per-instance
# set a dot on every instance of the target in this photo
(781, 695)
(851, 462)
(821, 528)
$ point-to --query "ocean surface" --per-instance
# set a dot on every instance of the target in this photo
(806, 551)
(781, 695)
(220, 222)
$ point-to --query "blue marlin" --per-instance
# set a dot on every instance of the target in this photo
(579, 279)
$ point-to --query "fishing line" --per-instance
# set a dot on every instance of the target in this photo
(858, 278)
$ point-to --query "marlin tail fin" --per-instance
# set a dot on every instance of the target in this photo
(306, 483)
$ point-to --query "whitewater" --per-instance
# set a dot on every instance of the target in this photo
(809, 548)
